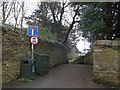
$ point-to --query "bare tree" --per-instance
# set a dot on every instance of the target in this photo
(6, 10)
(16, 11)
(72, 24)
(61, 11)
(23, 15)
(56, 15)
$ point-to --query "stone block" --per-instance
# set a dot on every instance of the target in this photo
(105, 61)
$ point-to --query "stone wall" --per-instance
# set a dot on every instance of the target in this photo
(10, 71)
(16, 47)
(0, 57)
(72, 53)
(56, 51)
(106, 58)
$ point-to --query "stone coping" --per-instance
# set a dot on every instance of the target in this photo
(107, 42)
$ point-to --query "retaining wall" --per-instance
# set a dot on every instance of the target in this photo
(106, 61)
(14, 47)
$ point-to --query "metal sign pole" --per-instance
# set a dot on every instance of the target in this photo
(33, 31)
(32, 51)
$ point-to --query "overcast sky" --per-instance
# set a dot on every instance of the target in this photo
(81, 45)
(31, 5)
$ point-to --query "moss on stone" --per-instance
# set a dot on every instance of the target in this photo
(106, 82)
(15, 46)
(105, 63)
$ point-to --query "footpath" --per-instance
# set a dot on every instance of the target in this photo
(63, 76)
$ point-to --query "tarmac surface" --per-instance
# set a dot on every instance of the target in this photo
(63, 76)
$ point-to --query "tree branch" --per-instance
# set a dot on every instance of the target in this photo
(71, 26)
(53, 13)
(9, 11)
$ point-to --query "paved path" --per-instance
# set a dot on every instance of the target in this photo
(63, 76)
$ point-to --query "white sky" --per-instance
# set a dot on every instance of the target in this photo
(83, 44)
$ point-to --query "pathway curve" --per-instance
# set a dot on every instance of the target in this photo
(63, 76)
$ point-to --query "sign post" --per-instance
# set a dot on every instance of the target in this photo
(32, 57)
(33, 40)
(33, 32)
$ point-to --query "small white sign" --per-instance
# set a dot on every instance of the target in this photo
(97, 50)
(34, 40)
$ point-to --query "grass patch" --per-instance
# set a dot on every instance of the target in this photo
(25, 80)
(73, 61)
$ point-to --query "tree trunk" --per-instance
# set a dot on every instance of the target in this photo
(21, 24)
(3, 11)
(15, 23)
